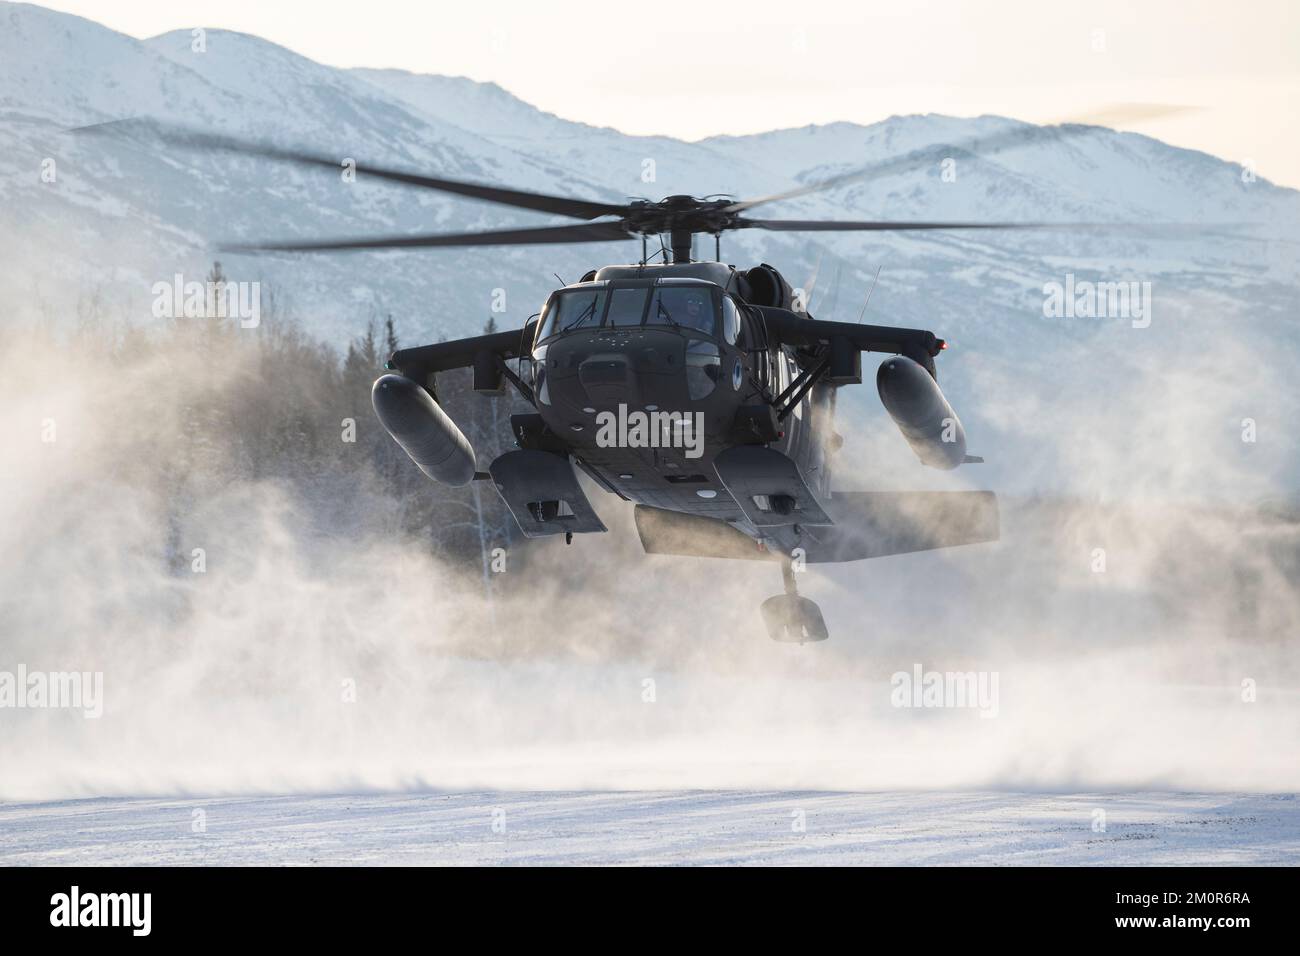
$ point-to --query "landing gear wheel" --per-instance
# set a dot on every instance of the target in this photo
(791, 618)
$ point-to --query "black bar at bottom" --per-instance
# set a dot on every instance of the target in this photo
(331, 906)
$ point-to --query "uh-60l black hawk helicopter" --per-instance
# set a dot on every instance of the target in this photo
(701, 392)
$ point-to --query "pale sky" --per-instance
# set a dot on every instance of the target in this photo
(693, 70)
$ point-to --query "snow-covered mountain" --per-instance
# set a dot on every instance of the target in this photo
(117, 218)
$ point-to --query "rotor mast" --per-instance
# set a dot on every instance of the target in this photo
(681, 217)
(681, 243)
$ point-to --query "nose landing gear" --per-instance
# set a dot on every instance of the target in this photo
(790, 617)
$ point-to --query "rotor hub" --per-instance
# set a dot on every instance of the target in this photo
(679, 214)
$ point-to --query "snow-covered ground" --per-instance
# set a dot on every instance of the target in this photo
(661, 827)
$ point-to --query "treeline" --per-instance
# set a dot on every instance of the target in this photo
(206, 403)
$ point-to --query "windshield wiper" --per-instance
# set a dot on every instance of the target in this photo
(660, 310)
(584, 314)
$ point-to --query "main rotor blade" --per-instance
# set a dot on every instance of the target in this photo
(1073, 126)
(829, 225)
(593, 232)
(1161, 229)
(187, 139)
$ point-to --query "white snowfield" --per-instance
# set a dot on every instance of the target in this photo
(660, 828)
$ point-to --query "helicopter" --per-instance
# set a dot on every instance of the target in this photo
(702, 393)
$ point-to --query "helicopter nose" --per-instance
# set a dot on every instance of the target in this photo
(606, 376)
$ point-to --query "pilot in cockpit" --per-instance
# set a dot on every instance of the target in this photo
(698, 315)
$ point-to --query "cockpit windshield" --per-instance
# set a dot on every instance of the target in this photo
(689, 307)
(574, 309)
(692, 307)
(626, 306)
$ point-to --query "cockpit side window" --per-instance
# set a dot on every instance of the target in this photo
(689, 307)
(730, 320)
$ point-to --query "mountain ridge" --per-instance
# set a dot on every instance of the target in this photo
(120, 217)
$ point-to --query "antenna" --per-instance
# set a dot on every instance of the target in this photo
(863, 315)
